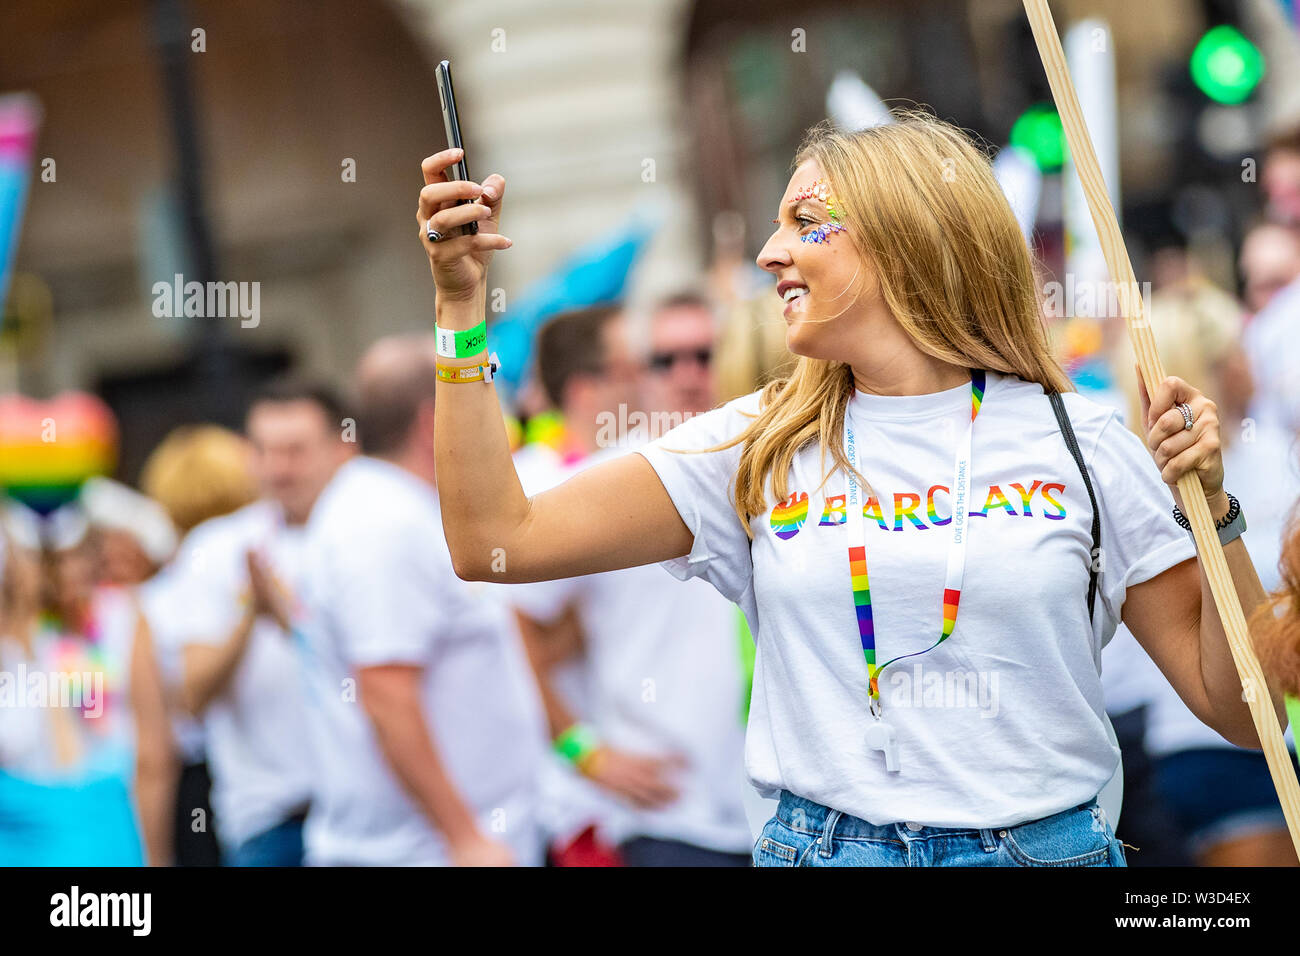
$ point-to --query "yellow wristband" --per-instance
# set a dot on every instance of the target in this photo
(457, 374)
(589, 764)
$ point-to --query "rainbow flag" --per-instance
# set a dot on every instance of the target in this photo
(20, 119)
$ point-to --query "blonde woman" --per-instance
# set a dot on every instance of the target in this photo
(196, 473)
(904, 518)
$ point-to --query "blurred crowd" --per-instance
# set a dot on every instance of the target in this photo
(263, 656)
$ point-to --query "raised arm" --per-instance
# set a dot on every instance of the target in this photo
(614, 515)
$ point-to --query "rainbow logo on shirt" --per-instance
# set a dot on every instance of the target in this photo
(908, 511)
(788, 517)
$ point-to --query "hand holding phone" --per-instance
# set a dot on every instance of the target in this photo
(459, 219)
(458, 171)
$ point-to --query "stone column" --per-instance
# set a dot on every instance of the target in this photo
(580, 106)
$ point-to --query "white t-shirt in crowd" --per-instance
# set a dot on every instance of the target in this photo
(262, 768)
(1270, 343)
(1262, 470)
(382, 590)
(666, 680)
(568, 802)
(84, 682)
(163, 602)
(1004, 721)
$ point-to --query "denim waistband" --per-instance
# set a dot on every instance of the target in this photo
(807, 816)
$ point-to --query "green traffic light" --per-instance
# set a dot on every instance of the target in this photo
(1226, 66)
(1039, 132)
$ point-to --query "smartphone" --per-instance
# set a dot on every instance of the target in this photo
(451, 122)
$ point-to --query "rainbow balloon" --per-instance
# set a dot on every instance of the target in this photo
(48, 448)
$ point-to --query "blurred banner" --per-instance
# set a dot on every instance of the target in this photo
(596, 273)
(20, 119)
(1089, 50)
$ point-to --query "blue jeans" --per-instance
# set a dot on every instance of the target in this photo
(281, 845)
(804, 833)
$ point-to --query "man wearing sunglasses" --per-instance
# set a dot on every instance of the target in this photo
(679, 374)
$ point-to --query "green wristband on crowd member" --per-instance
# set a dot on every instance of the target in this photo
(577, 743)
(1293, 711)
(470, 342)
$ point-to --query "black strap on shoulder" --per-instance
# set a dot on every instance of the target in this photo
(1058, 406)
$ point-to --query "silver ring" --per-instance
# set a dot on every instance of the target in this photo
(1188, 420)
(433, 234)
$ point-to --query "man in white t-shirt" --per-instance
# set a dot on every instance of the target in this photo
(1270, 343)
(429, 728)
(238, 620)
(667, 684)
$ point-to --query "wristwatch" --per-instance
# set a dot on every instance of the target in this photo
(1230, 527)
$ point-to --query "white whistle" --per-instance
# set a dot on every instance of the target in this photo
(880, 736)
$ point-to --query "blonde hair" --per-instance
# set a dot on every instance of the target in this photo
(751, 347)
(922, 208)
(199, 472)
(1196, 325)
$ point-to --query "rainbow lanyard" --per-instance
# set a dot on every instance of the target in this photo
(956, 550)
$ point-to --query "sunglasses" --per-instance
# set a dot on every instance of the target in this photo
(663, 361)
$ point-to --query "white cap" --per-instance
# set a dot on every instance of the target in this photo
(113, 506)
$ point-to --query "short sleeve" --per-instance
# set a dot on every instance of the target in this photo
(702, 487)
(1139, 536)
(393, 617)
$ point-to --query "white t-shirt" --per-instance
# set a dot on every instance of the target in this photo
(84, 681)
(382, 590)
(568, 802)
(1270, 343)
(164, 603)
(262, 769)
(1004, 721)
(665, 679)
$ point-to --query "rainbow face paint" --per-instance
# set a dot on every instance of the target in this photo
(819, 190)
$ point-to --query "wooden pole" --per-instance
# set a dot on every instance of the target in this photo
(1189, 486)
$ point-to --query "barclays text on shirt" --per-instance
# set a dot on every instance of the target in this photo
(1023, 499)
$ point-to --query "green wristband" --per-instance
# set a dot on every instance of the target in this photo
(453, 344)
(577, 742)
